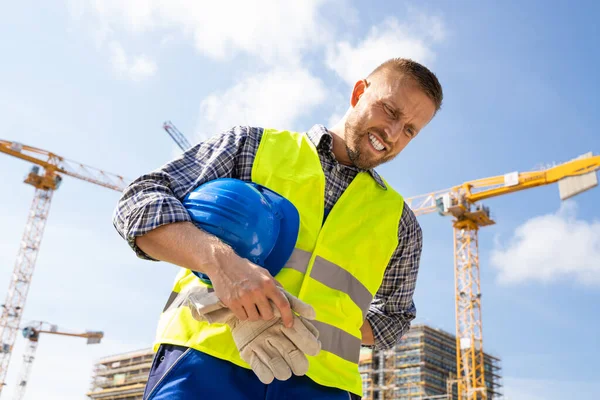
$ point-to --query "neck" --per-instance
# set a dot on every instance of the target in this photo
(338, 133)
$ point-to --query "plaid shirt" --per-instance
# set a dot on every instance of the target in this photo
(154, 199)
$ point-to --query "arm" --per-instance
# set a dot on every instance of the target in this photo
(393, 309)
(152, 219)
(367, 334)
(154, 199)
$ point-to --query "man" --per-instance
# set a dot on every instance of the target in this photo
(367, 237)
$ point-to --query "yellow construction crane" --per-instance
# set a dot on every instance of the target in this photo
(32, 333)
(45, 177)
(460, 202)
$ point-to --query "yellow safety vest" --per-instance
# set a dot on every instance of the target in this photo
(336, 266)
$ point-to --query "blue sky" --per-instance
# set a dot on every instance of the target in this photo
(93, 81)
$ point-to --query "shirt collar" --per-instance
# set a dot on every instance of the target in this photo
(323, 140)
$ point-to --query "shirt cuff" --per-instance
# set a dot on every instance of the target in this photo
(387, 330)
(166, 210)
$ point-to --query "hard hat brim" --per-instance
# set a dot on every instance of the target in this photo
(288, 231)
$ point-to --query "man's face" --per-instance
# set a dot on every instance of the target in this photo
(386, 115)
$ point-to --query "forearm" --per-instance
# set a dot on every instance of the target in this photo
(367, 334)
(185, 245)
(242, 286)
(154, 199)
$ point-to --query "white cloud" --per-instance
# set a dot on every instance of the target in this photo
(551, 247)
(411, 39)
(76, 8)
(272, 99)
(137, 69)
(279, 32)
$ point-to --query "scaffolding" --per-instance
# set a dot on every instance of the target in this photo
(422, 366)
(122, 376)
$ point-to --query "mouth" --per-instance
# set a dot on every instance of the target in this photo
(376, 142)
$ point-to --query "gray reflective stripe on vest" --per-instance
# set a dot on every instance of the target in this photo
(174, 295)
(170, 300)
(338, 342)
(333, 276)
(298, 261)
(338, 278)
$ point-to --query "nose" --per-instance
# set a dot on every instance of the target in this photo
(395, 130)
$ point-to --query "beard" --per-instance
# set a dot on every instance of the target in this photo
(355, 137)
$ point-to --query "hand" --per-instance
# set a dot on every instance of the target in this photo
(272, 350)
(246, 289)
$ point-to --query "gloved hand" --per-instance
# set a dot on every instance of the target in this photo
(271, 349)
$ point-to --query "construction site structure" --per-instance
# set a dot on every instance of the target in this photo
(421, 366)
(121, 376)
(45, 176)
(462, 204)
(178, 137)
(32, 333)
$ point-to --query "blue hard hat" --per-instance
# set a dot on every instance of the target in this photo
(256, 222)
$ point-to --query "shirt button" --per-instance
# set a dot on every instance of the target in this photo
(330, 193)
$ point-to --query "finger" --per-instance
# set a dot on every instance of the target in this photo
(271, 357)
(298, 362)
(251, 311)
(239, 312)
(262, 371)
(302, 308)
(283, 305)
(294, 358)
(308, 325)
(265, 308)
(303, 337)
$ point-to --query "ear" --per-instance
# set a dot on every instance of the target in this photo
(359, 90)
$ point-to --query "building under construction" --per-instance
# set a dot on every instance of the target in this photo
(122, 376)
(422, 366)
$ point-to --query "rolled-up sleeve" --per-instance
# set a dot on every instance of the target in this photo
(393, 308)
(154, 199)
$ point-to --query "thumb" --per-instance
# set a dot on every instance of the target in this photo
(302, 308)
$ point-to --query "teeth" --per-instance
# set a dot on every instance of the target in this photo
(376, 143)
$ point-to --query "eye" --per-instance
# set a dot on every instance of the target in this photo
(388, 110)
(410, 132)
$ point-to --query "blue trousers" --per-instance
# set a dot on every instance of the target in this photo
(180, 373)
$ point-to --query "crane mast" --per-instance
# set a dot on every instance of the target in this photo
(460, 202)
(45, 177)
(177, 136)
(23, 269)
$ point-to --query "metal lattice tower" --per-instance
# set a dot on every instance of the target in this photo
(45, 177)
(12, 309)
(469, 339)
(462, 203)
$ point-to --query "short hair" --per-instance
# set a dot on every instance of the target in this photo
(419, 73)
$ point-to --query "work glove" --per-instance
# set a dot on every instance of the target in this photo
(272, 350)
